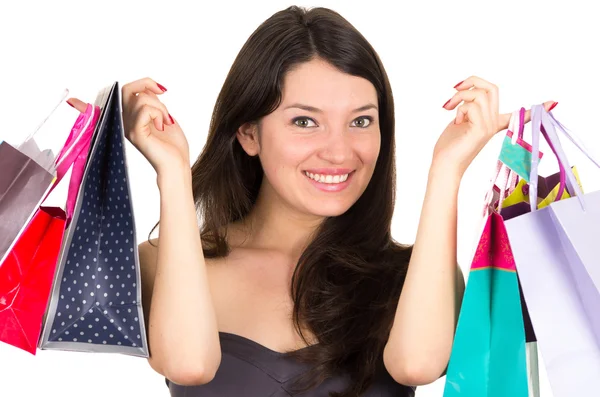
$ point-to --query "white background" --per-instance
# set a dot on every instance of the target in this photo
(534, 51)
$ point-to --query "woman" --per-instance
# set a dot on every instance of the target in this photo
(295, 187)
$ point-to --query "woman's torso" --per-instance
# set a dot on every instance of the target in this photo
(250, 292)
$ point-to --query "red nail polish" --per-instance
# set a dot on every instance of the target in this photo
(456, 86)
(171, 118)
(553, 106)
(446, 103)
(161, 87)
(70, 104)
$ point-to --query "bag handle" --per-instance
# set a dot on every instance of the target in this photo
(521, 127)
(573, 138)
(75, 142)
(544, 124)
(517, 115)
(64, 95)
(576, 141)
(505, 177)
(72, 141)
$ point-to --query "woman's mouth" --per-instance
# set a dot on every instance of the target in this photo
(322, 178)
(329, 182)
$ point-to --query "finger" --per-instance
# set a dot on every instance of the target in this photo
(147, 117)
(478, 82)
(475, 95)
(469, 112)
(129, 90)
(150, 99)
(504, 119)
(77, 104)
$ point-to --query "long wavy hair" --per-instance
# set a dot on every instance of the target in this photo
(347, 282)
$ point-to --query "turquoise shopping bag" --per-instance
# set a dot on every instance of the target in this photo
(488, 356)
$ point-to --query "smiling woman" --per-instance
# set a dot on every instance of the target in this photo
(303, 133)
(294, 281)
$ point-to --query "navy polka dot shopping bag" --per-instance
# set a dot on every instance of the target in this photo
(95, 305)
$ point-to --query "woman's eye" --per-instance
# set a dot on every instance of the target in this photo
(362, 122)
(304, 122)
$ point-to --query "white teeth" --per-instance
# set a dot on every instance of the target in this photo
(327, 178)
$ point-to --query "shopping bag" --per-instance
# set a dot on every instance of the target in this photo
(514, 153)
(549, 189)
(26, 178)
(26, 278)
(488, 356)
(33, 146)
(548, 192)
(27, 273)
(517, 203)
(95, 304)
(557, 257)
(23, 185)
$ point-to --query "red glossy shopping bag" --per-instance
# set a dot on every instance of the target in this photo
(26, 277)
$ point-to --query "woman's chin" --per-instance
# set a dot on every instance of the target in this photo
(324, 209)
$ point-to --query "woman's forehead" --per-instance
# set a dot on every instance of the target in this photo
(319, 84)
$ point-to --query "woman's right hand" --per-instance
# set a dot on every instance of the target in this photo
(149, 126)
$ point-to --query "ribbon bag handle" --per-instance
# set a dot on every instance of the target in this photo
(78, 139)
(504, 176)
(574, 139)
(517, 115)
(73, 141)
(542, 123)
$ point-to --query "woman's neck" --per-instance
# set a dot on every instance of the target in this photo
(273, 225)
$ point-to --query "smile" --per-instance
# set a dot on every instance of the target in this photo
(322, 178)
(330, 181)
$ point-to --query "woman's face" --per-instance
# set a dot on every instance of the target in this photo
(319, 148)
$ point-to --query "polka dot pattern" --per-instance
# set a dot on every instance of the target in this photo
(98, 298)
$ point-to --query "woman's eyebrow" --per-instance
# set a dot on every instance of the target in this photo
(309, 108)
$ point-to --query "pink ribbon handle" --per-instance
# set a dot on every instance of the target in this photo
(74, 153)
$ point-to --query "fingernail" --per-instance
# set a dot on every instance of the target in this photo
(161, 87)
(456, 86)
(171, 118)
(70, 104)
(553, 106)
(446, 103)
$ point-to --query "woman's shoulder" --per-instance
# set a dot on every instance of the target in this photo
(148, 252)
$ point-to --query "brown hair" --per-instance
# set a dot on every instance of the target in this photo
(347, 282)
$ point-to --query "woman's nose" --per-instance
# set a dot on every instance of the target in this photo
(337, 147)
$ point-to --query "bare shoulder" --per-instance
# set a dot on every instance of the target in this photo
(148, 254)
(148, 249)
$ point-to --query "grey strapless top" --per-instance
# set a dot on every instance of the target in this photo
(249, 369)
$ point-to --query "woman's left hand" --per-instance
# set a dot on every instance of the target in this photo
(477, 121)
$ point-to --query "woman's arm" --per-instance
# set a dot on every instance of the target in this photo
(420, 342)
(182, 325)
